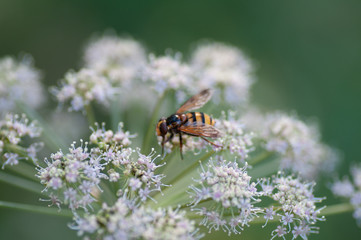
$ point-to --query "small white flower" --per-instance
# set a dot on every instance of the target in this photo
(351, 191)
(83, 87)
(224, 68)
(234, 137)
(19, 82)
(297, 143)
(233, 193)
(122, 221)
(168, 72)
(119, 59)
(13, 129)
(104, 138)
(298, 212)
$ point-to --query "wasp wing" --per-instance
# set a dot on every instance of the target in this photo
(201, 129)
(196, 101)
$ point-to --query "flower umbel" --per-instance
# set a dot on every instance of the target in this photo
(297, 209)
(19, 82)
(13, 129)
(83, 87)
(351, 191)
(224, 68)
(231, 194)
(119, 59)
(124, 220)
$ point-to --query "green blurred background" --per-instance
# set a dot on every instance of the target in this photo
(307, 54)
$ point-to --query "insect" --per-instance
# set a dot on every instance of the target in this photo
(195, 124)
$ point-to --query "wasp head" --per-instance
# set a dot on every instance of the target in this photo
(162, 127)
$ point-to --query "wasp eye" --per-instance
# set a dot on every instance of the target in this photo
(163, 128)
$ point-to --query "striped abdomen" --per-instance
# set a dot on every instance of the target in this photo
(199, 117)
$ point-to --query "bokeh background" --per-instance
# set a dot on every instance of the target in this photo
(307, 55)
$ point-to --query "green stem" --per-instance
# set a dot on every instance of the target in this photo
(26, 170)
(21, 183)
(266, 169)
(200, 202)
(48, 134)
(191, 167)
(23, 168)
(166, 159)
(115, 114)
(152, 122)
(36, 209)
(337, 209)
(260, 158)
(90, 114)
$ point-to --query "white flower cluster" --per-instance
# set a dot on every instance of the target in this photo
(298, 143)
(123, 220)
(297, 210)
(105, 138)
(13, 128)
(139, 174)
(234, 138)
(352, 191)
(83, 87)
(232, 192)
(225, 68)
(118, 59)
(167, 72)
(73, 178)
(19, 82)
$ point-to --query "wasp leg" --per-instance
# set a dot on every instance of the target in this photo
(205, 139)
(163, 145)
(170, 138)
(181, 145)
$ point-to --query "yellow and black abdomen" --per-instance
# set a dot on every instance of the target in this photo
(199, 117)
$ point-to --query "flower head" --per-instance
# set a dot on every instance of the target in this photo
(19, 82)
(297, 206)
(224, 68)
(297, 143)
(139, 173)
(105, 138)
(13, 129)
(233, 194)
(168, 72)
(119, 59)
(125, 221)
(351, 191)
(83, 87)
(234, 137)
(72, 177)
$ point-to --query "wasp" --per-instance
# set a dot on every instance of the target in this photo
(197, 124)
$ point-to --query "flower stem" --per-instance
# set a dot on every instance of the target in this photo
(36, 209)
(265, 169)
(260, 158)
(90, 114)
(152, 122)
(21, 183)
(115, 114)
(191, 167)
(337, 209)
(49, 134)
(175, 194)
(26, 170)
